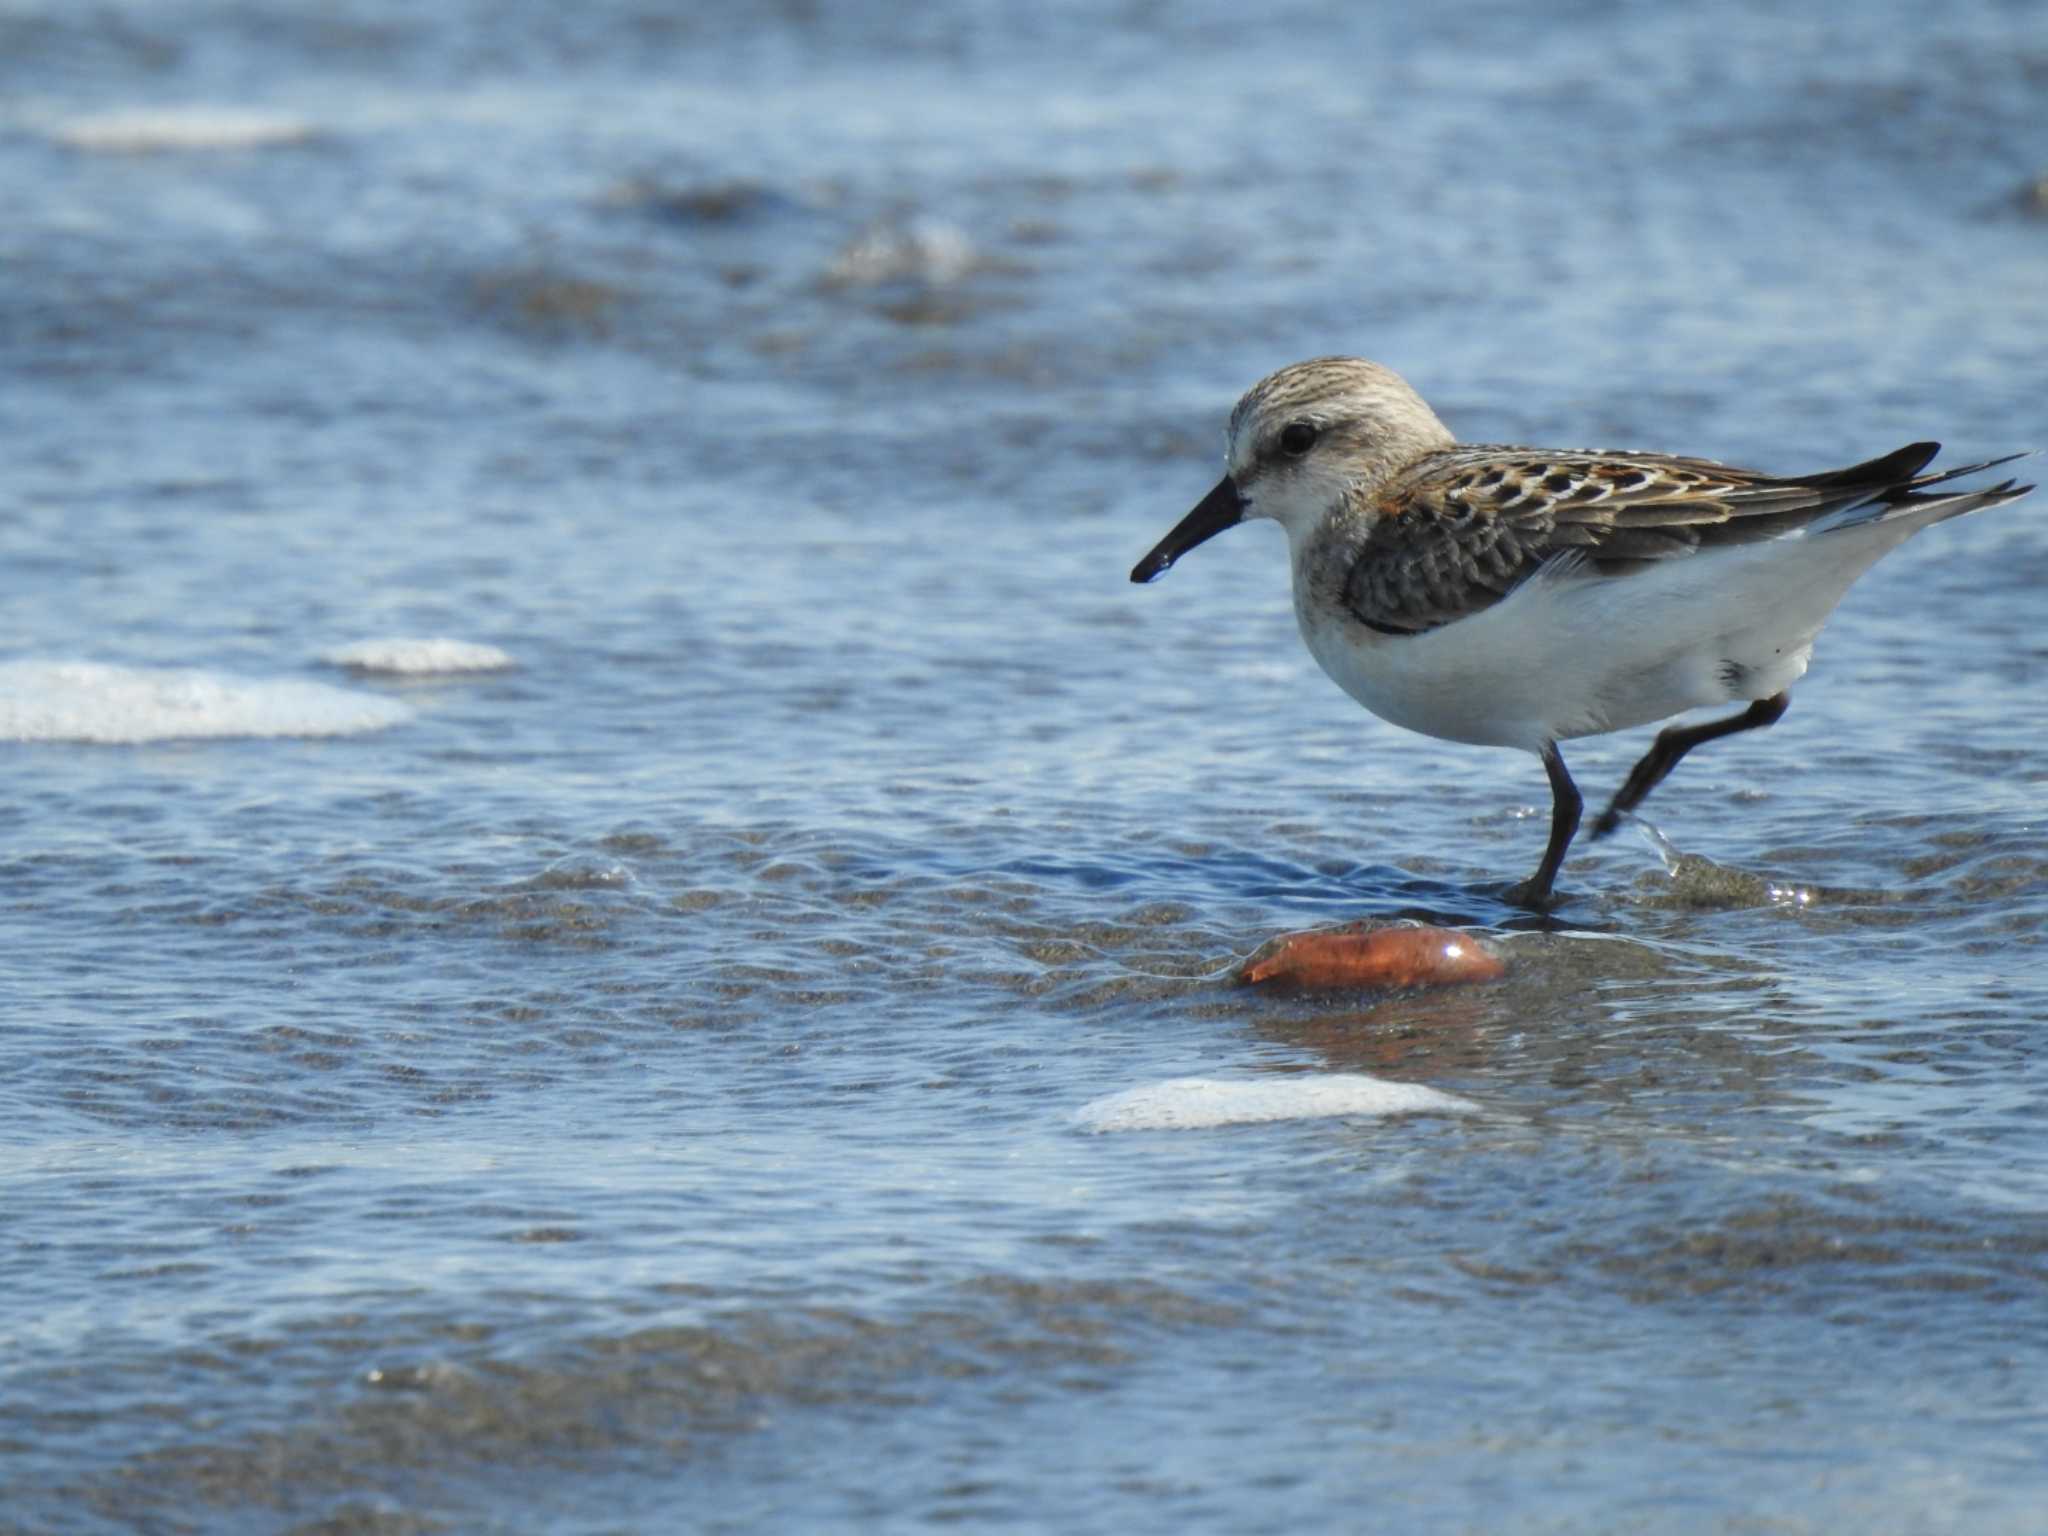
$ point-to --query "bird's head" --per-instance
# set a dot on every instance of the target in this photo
(1303, 441)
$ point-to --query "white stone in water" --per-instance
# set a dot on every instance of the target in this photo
(418, 658)
(155, 130)
(87, 701)
(1197, 1103)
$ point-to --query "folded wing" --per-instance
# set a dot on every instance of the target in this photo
(1463, 528)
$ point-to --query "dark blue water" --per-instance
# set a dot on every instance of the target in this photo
(634, 1087)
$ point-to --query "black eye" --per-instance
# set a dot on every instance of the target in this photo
(1296, 438)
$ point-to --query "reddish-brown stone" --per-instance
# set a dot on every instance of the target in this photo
(1374, 957)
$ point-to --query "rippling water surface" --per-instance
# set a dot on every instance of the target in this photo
(633, 1077)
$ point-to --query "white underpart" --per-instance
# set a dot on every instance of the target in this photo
(1573, 653)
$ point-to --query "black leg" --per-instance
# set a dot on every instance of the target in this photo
(1673, 744)
(1565, 806)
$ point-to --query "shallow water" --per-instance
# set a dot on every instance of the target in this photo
(643, 1086)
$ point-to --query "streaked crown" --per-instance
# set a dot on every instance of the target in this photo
(1367, 422)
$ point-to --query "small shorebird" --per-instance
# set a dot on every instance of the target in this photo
(1519, 597)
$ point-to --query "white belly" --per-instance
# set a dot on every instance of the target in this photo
(1578, 654)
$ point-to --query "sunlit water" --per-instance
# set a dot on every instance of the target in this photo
(677, 1067)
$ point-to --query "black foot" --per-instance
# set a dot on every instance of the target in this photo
(1531, 896)
(1671, 745)
(1565, 805)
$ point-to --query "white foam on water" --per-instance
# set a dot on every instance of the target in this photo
(154, 130)
(894, 251)
(1197, 1103)
(407, 657)
(91, 701)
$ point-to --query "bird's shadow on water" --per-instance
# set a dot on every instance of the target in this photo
(1333, 894)
(1383, 892)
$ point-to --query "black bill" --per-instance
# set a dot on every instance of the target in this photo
(1218, 510)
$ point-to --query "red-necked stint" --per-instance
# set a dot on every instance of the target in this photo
(1519, 597)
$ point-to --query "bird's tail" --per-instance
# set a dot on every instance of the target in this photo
(1913, 498)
